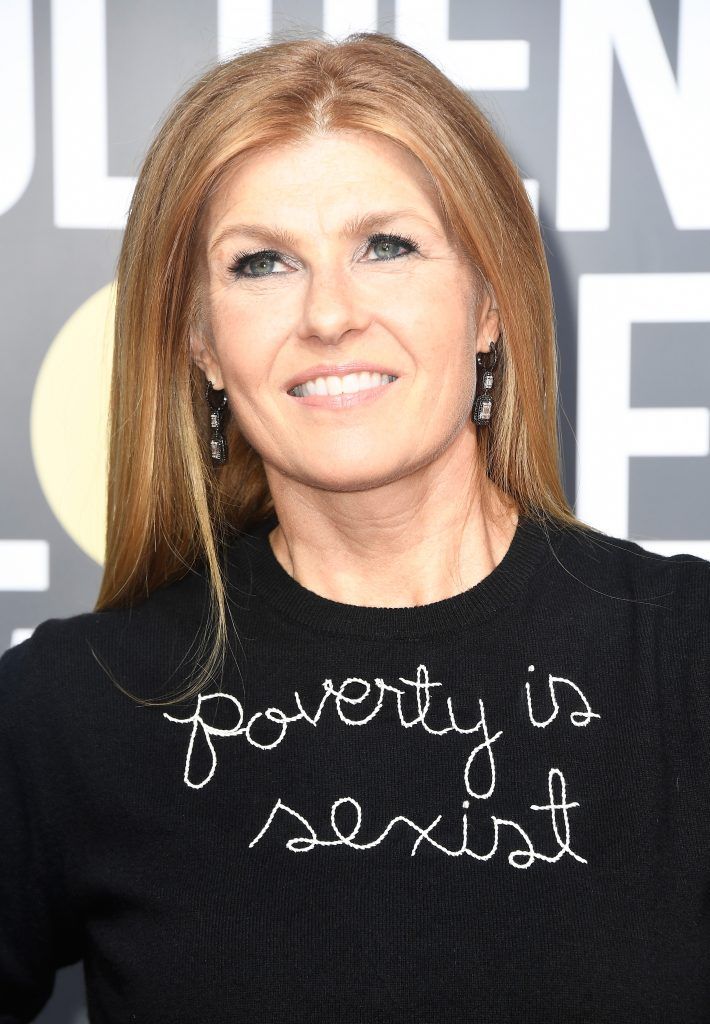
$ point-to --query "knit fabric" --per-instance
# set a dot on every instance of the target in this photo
(490, 808)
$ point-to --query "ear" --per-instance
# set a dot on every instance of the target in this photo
(203, 355)
(488, 322)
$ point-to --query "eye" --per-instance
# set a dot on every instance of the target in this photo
(242, 260)
(388, 243)
(265, 258)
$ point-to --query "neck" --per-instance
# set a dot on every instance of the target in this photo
(419, 553)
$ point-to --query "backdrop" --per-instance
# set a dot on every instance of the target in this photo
(602, 103)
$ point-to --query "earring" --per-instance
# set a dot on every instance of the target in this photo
(217, 401)
(483, 405)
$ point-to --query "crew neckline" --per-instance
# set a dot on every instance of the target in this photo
(505, 584)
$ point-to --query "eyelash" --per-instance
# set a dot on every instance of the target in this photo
(242, 259)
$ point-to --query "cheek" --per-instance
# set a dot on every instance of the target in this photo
(240, 334)
(440, 298)
(443, 331)
(255, 311)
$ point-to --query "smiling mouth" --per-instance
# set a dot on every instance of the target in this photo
(345, 401)
(349, 384)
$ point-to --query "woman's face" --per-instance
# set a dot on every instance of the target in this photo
(391, 293)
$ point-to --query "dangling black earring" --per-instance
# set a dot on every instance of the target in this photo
(217, 401)
(483, 405)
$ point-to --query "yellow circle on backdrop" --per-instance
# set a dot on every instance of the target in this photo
(69, 421)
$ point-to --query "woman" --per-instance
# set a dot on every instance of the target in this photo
(393, 736)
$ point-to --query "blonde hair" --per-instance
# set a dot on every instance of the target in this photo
(169, 509)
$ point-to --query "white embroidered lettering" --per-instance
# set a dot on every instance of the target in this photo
(355, 692)
(516, 858)
(578, 718)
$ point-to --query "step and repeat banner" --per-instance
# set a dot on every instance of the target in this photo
(603, 105)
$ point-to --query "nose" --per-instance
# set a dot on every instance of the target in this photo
(331, 305)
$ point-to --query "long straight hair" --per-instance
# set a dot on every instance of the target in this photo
(169, 509)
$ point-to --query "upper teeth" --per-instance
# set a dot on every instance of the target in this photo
(348, 384)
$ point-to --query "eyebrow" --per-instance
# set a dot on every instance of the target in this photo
(362, 224)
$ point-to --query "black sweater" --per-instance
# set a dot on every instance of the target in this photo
(490, 808)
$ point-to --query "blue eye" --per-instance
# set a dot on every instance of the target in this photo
(394, 241)
(265, 257)
(242, 260)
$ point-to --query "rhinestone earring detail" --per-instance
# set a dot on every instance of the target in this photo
(483, 405)
(217, 401)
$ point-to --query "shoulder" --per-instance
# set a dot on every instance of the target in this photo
(677, 586)
(54, 649)
(67, 659)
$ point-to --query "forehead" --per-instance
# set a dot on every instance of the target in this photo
(322, 179)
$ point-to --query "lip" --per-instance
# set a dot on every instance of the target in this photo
(345, 401)
(324, 370)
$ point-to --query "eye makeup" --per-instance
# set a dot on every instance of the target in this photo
(241, 260)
